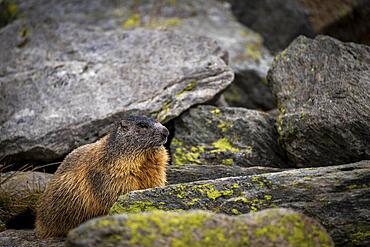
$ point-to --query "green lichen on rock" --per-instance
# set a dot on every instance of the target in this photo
(253, 50)
(223, 145)
(135, 207)
(209, 135)
(361, 234)
(188, 87)
(132, 21)
(272, 227)
(185, 154)
(295, 231)
(204, 190)
(8, 12)
(233, 94)
(216, 111)
(135, 20)
(228, 162)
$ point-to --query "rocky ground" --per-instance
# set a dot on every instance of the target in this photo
(264, 151)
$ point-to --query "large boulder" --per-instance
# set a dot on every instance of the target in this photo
(347, 20)
(273, 227)
(19, 192)
(338, 196)
(27, 238)
(322, 87)
(194, 172)
(66, 78)
(278, 21)
(247, 55)
(208, 135)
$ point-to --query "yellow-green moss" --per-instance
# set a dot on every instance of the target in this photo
(152, 22)
(235, 211)
(188, 87)
(253, 50)
(255, 203)
(8, 12)
(133, 21)
(209, 190)
(227, 162)
(357, 186)
(216, 111)
(292, 228)
(223, 145)
(185, 230)
(134, 207)
(360, 236)
(224, 125)
(158, 23)
(184, 154)
(232, 94)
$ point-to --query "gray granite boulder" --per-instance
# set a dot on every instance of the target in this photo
(27, 238)
(322, 87)
(272, 227)
(208, 135)
(247, 55)
(194, 172)
(66, 78)
(278, 21)
(337, 196)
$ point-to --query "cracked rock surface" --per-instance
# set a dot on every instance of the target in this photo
(65, 78)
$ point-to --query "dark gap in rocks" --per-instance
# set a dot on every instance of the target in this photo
(170, 125)
(26, 165)
(8, 12)
(23, 220)
(354, 27)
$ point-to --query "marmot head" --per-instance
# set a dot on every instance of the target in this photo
(134, 134)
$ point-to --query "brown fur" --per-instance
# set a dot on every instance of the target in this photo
(86, 185)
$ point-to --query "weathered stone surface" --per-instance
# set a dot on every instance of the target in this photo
(338, 196)
(195, 172)
(227, 136)
(347, 20)
(65, 78)
(322, 86)
(272, 227)
(248, 57)
(249, 91)
(19, 192)
(278, 21)
(26, 238)
(8, 12)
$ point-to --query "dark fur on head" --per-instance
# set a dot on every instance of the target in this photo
(136, 134)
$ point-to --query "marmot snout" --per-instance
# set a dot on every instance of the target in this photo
(90, 179)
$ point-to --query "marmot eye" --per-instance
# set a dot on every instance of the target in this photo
(143, 125)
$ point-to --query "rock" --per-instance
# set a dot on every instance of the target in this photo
(228, 136)
(190, 172)
(19, 192)
(27, 238)
(249, 91)
(342, 19)
(248, 57)
(278, 21)
(66, 78)
(337, 196)
(273, 227)
(322, 87)
(8, 12)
